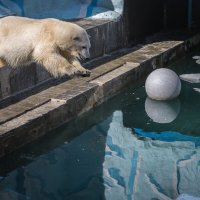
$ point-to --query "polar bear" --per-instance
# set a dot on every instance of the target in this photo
(56, 45)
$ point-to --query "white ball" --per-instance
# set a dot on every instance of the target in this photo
(163, 84)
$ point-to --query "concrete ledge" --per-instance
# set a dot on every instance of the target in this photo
(33, 117)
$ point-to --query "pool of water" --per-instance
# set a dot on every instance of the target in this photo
(128, 148)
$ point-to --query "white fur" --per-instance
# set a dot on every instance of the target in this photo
(54, 44)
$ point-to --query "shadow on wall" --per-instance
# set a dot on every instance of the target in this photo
(145, 17)
(19, 79)
(148, 17)
(63, 9)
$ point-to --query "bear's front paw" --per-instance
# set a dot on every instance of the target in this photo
(85, 73)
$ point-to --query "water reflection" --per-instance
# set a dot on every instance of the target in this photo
(148, 169)
(71, 171)
(162, 111)
(108, 161)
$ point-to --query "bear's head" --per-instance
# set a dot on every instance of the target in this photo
(73, 40)
(81, 45)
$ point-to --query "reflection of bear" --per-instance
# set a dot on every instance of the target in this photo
(54, 44)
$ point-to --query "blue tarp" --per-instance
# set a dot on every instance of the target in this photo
(167, 136)
(63, 9)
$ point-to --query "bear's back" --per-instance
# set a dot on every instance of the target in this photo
(18, 36)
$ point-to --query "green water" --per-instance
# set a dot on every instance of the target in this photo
(102, 155)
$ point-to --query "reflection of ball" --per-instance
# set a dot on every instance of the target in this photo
(162, 111)
(163, 84)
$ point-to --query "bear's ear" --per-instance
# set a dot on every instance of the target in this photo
(77, 38)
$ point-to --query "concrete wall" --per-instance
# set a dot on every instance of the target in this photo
(175, 14)
(63, 9)
(196, 14)
(145, 17)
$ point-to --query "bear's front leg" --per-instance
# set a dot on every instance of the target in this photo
(81, 70)
(57, 65)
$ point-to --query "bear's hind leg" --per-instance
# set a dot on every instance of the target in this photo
(4, 78)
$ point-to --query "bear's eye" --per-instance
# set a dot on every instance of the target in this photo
(84, 47)
(76, 38)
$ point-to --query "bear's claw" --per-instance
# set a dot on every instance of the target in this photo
(85, 73)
